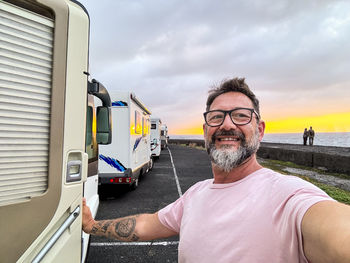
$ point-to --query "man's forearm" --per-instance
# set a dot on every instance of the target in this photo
(123, 229)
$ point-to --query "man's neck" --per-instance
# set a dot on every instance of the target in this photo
(249, 166)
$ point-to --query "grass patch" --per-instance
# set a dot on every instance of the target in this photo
(334, 192)
(193, 145)
(276, 164)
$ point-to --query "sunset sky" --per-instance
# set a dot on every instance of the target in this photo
(294, 55)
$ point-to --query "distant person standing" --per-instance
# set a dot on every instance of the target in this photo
(305, 136)
(311, 136)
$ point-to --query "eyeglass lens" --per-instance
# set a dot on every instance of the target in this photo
(238, 116)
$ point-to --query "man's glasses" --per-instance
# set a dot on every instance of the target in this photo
(239, 116)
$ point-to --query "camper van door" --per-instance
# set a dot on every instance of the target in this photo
(43, 113)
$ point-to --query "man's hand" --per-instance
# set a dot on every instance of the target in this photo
(88, 220)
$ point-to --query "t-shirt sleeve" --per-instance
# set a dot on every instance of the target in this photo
(295, 208)
(171, 215)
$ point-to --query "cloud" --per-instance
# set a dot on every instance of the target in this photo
(292, 53)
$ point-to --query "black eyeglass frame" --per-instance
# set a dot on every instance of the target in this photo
(229, 113)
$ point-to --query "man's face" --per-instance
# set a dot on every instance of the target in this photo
(230, 145)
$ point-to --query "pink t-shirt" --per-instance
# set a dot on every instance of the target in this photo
(256, 219)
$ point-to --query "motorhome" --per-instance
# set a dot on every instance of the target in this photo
(128, 156)
(156, 124)
(48, 133)
(164, 136)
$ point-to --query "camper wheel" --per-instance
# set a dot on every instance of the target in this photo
(151, 162)
(135, 184)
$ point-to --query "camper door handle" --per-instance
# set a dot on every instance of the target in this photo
(73, 171)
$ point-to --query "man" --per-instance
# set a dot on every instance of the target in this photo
(311, 136)
(305, 136)
(246, 213)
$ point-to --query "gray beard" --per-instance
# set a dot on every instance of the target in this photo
(226, 157)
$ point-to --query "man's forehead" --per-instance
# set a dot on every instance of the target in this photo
(231, 100)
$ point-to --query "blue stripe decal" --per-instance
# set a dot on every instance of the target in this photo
(113, 162)
(137, 143)
(119, 103)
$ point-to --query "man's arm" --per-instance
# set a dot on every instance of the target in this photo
(326, 232)
(132, 228)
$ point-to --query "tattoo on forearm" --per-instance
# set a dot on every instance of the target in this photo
(94, 230)
(126, 227)
(134, 237)
(105, 226)
(123, 229)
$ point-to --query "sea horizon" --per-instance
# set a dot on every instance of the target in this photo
(339, 139)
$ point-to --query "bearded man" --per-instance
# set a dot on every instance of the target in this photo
(246, 213)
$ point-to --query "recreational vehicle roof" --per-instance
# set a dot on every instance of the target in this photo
(133, 97)
(126, 95)
(156, 119)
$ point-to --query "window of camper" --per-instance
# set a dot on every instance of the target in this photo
(90, 142)
(89, 119)
(143, 126)
(138, 124)
(153, 126)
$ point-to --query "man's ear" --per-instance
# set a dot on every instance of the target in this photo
(204, 129)
(261, 128)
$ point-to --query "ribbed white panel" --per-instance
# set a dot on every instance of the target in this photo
(26, 41)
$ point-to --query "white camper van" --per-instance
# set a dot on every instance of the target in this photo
(128, 156)
(44, 132)
(156, 124)
(164, 136)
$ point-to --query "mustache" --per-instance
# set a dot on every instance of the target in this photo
(238, 134)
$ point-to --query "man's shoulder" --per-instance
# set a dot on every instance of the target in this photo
(286, 182)
(202, 184)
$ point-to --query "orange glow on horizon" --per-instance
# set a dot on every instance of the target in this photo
(192, 130)
(337, 122)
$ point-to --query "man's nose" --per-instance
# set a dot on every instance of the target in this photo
(227, 123)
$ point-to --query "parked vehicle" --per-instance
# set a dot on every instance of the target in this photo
(97, 119)
(128, 156)
(46, 139)
(155, 137)
(164, 136)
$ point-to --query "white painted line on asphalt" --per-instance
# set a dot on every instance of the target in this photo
(111, 244)
(175, 174)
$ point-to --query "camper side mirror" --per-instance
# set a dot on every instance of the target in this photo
(104, 127)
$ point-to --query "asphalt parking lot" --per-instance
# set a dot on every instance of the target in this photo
(169, 178)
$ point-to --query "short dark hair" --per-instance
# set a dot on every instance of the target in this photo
(235, 85)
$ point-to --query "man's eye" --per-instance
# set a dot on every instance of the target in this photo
(241, 115)
(216, 117)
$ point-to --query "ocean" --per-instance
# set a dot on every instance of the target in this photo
(340, 139)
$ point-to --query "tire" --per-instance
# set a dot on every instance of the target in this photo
(102, 193)
(135, 184)
(151, 163)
